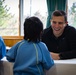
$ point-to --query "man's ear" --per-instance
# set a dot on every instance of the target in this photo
(66, 22)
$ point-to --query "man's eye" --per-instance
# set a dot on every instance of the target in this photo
(54, 22)
(60, 22)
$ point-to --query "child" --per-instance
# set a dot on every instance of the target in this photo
(30, 56)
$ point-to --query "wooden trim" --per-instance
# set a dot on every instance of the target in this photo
(12, 40)
(12, 37)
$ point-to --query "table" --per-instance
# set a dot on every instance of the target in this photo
(63, 67)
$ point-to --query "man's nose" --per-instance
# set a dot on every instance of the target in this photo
(57, 24)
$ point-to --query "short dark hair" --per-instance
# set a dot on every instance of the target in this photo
(60, 13)
(32, 29)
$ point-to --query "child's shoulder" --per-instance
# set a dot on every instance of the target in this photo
(42, 44)
(18, 43)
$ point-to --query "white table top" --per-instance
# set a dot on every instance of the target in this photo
(69, 61)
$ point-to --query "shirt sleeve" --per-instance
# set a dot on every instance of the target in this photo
(11, 54)
(2, 48)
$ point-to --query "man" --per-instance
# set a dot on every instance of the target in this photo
(60, 38)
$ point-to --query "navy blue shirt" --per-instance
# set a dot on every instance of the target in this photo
(65, 45)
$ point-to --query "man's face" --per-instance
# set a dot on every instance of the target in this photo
(58, 24)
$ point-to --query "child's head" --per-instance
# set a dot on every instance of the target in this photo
(32, 29)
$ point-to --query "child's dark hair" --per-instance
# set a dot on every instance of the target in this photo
(32, 29)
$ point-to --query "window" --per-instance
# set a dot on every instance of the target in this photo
(72, 12)
(14, 12)
(35, 8)
(9, 17)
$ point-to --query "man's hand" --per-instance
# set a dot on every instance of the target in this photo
(55, 56)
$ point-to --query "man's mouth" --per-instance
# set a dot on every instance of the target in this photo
(57, 29)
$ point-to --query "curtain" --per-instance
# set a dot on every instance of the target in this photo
(53, 5)
(61, 5)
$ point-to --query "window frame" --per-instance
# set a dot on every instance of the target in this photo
(20, 23)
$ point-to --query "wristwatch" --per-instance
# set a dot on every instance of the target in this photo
(60, 55)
